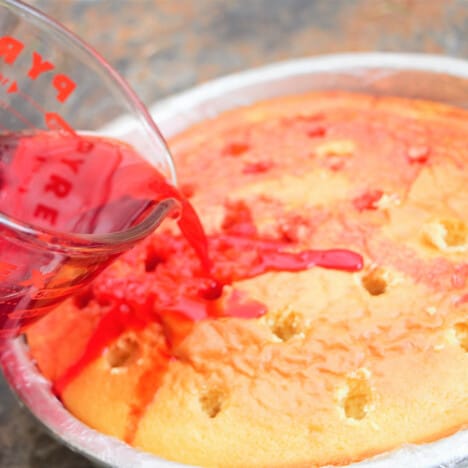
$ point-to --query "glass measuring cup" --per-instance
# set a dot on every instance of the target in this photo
(59, 184)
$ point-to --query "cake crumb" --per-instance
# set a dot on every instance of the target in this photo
(387, 201)
(336, 148)
(446, 235)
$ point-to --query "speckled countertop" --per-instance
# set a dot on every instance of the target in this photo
(164, 46)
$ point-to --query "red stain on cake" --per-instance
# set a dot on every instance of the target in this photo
(258, 167)
(180, 289)
(368, 200)
(439, 273)
(418, 154)
(238, 220)
(316, 131)
(235, 149)
(462, 300)
(121, 317)
(147, 386)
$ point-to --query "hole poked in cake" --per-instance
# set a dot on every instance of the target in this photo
(461, 334)
(212, 400)
(287, 324)
(446, 234)
(356, 398)
(375, 281)
(123, 352)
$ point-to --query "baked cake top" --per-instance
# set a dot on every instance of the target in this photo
(341, 365)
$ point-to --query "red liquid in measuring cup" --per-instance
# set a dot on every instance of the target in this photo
(89, 185)
(76, 185)
(69, 185)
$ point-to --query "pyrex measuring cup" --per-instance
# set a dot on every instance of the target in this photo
(55, 94)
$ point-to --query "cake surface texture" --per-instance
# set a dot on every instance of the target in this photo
(342, 365)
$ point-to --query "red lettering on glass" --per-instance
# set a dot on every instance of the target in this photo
(64, 85)
(73, 164)
(10, 48)
(39, 66)
(84, 146)
(55, 122)
(46, 212)
(60, 186)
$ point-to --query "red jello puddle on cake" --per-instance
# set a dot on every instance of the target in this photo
(75, 184)
(181, 291)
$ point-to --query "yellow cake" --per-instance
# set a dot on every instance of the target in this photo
(343, 365)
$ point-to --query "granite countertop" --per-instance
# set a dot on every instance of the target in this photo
(164, 46)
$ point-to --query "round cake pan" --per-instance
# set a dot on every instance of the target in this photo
(431, 77)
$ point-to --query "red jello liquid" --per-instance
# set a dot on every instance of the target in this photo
(74, 184)
(89, 185)
(66, 184)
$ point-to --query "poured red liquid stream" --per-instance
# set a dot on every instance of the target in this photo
(95, 186)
